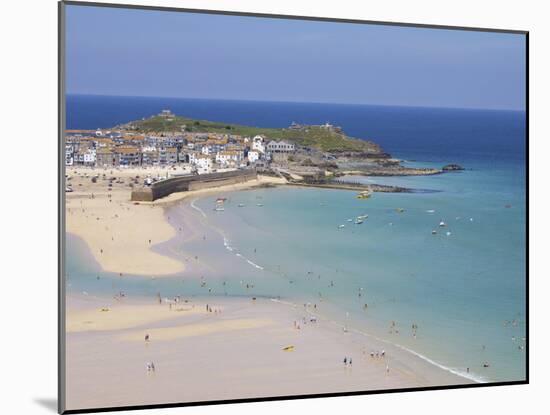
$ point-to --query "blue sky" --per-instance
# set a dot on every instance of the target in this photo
(168, 54)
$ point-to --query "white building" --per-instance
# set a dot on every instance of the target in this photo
(202, 162)
(69, 159)
(280, 147)
(253, 156)
(229, 157)
(90, 157)
(258, 144)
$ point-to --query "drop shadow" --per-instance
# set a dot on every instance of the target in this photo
(48, 403)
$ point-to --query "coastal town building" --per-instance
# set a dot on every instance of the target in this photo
(203, 151)
(167, 114)
(89, 157)
(105, 157)
(253, 156)
(171, 155)
(226, 158)
(69, 158)
(280, 147)
(258, 144)
(202, 163)
(128, 155)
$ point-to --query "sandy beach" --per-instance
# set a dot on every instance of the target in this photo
(198, 350)
(198, 354)
(120, 233)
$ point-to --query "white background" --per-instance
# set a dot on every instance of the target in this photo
(28, 235)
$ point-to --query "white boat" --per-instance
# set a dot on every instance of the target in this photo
(259, 205)
(240, 205)
(442, 224)
(68, 189)
(358, 221)
(219, 209)
(341, 226)
(350, 220)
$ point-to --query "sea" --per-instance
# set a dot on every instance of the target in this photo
(456, 297)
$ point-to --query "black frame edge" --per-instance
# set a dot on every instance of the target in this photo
(61, 407)
(292, 17)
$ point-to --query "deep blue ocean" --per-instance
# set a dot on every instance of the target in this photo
(464, 287)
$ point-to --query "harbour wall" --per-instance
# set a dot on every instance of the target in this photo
(195, 182)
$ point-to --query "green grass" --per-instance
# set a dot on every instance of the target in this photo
(314, 137)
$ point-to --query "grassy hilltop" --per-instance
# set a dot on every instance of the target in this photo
(312, 136)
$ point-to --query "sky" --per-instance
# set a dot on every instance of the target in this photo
(172, 54)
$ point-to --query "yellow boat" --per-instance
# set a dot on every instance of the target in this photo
(288, 348)
(363, 195)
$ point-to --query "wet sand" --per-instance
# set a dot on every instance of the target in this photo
(233, 352)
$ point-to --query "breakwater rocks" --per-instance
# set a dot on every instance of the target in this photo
(452, 167)
(391, 171)
(348, 185)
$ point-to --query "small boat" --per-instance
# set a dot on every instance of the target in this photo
(400, 210)
(434, 232)
(68, 189)
(341, 226)
(219, 209)
(361, 217)
(240, 205)
(288, 348)
(350, 220)
(358, 221)
(442, 224)
(364, 194)
(259, 204)
(221, 199)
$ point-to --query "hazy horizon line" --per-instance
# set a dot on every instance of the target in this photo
(302, 102)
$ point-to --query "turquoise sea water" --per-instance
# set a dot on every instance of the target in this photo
(465, 291)
(459, 289)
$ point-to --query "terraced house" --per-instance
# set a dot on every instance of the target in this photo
(129, 155)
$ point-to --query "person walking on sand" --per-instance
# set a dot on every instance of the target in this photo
(147, 337)
(350, 361)
(345, 361)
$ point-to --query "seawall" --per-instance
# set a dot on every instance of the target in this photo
(192, 182)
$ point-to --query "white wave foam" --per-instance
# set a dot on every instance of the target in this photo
(454, 371)
(231, 249)
(253, 264)
(226, 244)
(197, 208)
